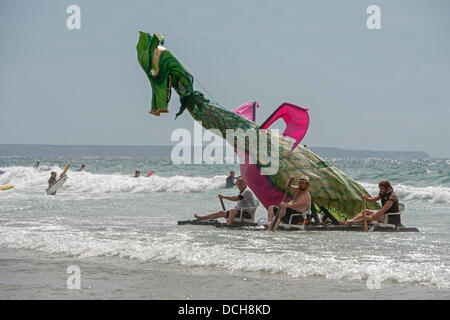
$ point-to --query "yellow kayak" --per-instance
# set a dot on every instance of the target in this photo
(6, 187)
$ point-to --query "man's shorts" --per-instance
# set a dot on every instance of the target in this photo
(287, 216)
(247, 214)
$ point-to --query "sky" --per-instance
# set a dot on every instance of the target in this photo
(384, 89)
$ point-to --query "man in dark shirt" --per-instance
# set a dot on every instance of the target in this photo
(52, 179)
(389, 202)
(231, 180)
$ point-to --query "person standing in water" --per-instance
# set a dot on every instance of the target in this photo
(137, 174)
(52, 181)
(83, 166)
(38, 166)
(231, 180)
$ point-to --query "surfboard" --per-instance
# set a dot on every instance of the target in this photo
(6, 187)
(65, 169)
(150, 173)
(58, 184)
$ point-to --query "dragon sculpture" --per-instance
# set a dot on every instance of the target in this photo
(329, 187)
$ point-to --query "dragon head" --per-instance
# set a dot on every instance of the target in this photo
(163, 70)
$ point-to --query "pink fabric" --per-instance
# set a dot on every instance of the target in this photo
(296, 119)
(247, 110)
(297, 122)
(261, 186)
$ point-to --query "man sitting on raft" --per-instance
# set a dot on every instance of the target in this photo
(300, 203)
(389, 202)
(244, 200)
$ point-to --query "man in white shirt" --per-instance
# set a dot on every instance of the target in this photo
(244, 200)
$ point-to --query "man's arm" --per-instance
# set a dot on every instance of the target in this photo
(370, 200)
(385, 208)
(288, 183)
(232, 198)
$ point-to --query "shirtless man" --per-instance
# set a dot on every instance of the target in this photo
(300, 203)
(389, 202)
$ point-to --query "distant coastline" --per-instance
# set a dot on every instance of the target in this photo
(329, 152)
(43, 150)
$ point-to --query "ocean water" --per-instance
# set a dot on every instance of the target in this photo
(122, 234)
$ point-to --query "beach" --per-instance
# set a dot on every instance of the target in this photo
(122, 234)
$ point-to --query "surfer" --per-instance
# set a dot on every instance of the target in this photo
(244, 200)
(231, 180)
(137, 174)
(389, 202)
(83, 166)
(38, 166)
(52, 179)
(300, 203)
(54, 183)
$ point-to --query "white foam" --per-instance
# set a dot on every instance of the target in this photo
(86, 182)
(437, 195)
(183, 249)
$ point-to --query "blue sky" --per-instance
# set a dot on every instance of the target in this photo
(382, 89)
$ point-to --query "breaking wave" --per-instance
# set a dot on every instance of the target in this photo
(86, 182)
(436, 195)
(180, 248)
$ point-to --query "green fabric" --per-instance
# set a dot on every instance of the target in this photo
(329, 187)
(170, 72)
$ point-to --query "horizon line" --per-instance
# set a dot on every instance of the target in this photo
(170, 145)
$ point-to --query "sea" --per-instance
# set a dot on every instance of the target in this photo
(108, 235)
